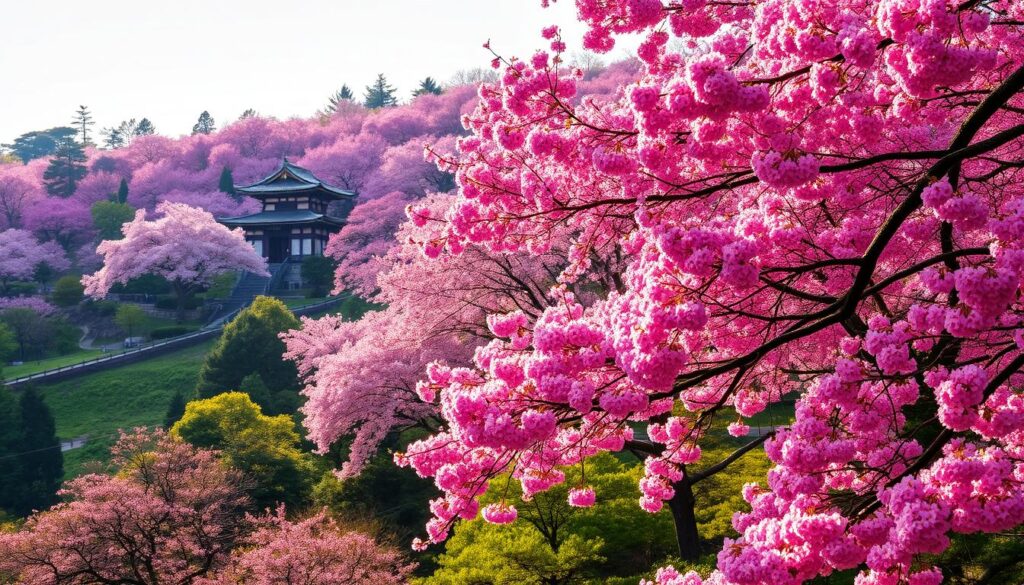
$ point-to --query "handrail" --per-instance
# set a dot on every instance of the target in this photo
(275, 278)
(116, 356)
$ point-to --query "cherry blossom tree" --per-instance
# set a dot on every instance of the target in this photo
(312, 551)
(185, 245)
(17, 193)
(819, 198)
(171, 514)
(21, 253)
(65, 221)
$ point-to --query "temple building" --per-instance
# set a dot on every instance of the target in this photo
(294, 222)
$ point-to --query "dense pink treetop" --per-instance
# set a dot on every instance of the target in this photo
(171, 514)
(313, 551)
(65, 221)
(183, 244)
(20, 189)
(813, 197)
(35, 304)
(20, 253)
(367, 237)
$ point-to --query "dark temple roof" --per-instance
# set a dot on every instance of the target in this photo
(279, 217)
(290, 178)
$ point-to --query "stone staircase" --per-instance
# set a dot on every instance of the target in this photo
(248, 288)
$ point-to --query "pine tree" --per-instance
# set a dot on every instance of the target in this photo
(428, 85)
(113, 138)
(39, 143)
(342, 95)
(42, 464)
(122, 191)
(83, 120)
(175, 410)
(66, 168)
(380, 95)
(227, 182)
(11, 491)
(144, 128)
(205, 124)
(249, 113)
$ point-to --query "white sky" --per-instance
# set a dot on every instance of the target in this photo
(169, 61)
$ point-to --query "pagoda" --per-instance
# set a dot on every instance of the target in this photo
(294, 222)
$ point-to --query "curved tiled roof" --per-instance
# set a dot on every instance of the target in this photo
(290, 178)
(276, 217)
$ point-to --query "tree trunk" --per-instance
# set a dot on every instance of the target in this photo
(685, 519)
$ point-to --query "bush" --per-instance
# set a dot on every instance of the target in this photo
(170, 331)
(222, 285)
(20, 289)
(147, 284)
(102, 308)
(68, 291)
(318, 274)
(171, 303)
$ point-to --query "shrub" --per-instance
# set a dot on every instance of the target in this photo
(170, 331)
(171, 303)
(20, 289)
(103, 308)
(68, 291)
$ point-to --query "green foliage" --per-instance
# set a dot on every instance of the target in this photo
(175, 410)
(380, 94)
(171, 303)
(43, 273)
(10, 443)
(19, 289)
(145, 128)
(222, 286)
(109, 216)
(101, 307)
(40, 143)
(205, 124)
(28, 329)
(147, 284)
(8, 344)
(226, 184)
(514, 555)
(130, 318)
(83, 120)
(68, 291)
(122, 192)
(250, 344)
(100, 403)
(428, 85)
(40, 457)
(318, 274)
(170, 331)
(264, 448)
(66, 168)
(719, 496)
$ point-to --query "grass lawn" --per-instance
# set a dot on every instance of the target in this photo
(149, 323)
(133, 395)
(32, 367)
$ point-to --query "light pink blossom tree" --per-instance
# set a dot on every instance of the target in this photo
(313, 551)
(21, 253)
(185, 245)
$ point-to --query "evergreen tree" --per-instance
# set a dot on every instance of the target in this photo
(250, 344)
(380, 95)
(66, 168)
(144, 128)
(122, 192)
(342, 95)
(428, 85)
(83, 120)
(40, 143)
(113, 138)
(249, 113)
(205, 124)
(11, 492)
(42, 464)
(175, 410)
(227, 182)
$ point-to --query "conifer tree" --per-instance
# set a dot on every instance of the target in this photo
(83, 120)
(175, 410)
(342, 95)
(205, 124)
(380, 94)
(428, 85)
(248, 113)
(10, 447)
(42, 464)
(122, 191)
(66, 168)
(144, 128)
(227, 182)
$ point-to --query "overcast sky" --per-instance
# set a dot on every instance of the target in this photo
(169, 61)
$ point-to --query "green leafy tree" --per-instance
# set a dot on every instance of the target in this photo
(380, 94)
(122, 192)
(428, 85)
(250, 344)
(226, 183)
(144, 128)
(43, 273)
(66, 169)
(175, 410)
(130, 318)
(40, 458)
(264, 448)
(68, 291)
(8, 344)
(109, 216)
(83, 121)
(29, 330)
(318, 274)
(40, 143)
(205, 124)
